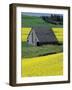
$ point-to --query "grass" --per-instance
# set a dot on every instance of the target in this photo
(51, 65)
(33, 21)
(29, 51)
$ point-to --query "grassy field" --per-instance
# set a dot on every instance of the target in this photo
(50, 65)
(29, 51)
(33, 21)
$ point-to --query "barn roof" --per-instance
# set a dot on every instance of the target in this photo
(44, 34)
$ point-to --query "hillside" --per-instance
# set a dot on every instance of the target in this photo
(33, 21)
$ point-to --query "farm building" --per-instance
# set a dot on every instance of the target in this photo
(41, 35)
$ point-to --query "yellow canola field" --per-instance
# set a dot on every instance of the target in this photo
(58, 33)
(50, 65)
(24, 33)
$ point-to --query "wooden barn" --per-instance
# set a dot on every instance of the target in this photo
(40, 36)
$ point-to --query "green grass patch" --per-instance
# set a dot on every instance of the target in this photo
(29, 51)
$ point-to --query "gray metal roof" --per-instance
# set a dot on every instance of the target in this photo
(44, 34)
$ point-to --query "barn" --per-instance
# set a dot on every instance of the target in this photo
(40, 36)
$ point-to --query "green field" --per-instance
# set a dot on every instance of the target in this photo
(29, 51)
(50, 65)
(33, 21)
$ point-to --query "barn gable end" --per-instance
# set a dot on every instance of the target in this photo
(32, 38)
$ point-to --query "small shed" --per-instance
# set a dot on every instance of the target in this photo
(40, 36)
